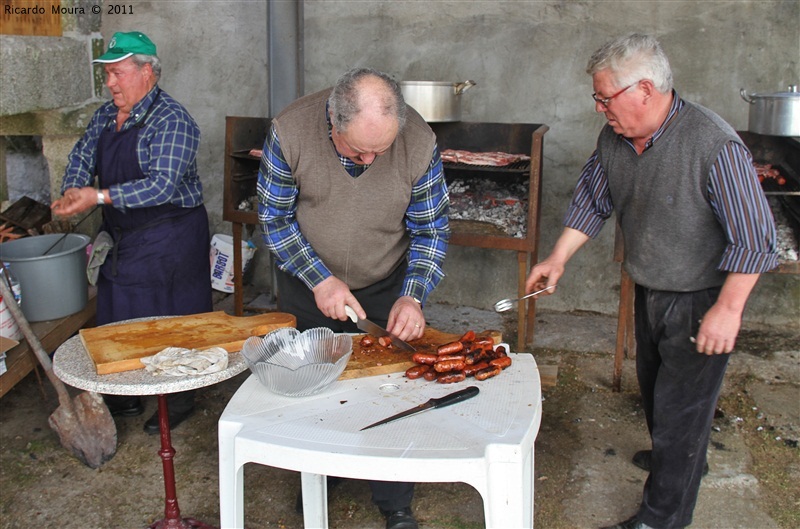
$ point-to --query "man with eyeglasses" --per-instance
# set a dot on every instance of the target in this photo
(698, 233)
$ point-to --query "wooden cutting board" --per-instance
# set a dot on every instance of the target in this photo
(116, 348)
(366, 362)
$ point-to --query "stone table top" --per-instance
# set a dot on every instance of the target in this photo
(73, 365)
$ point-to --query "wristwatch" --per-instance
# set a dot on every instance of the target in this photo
(101, 198)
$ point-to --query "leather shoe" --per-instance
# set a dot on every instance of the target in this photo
(151, 426)
(630, 523)
(128, 408)
(642, 460)
(333, 481)
(400, 519)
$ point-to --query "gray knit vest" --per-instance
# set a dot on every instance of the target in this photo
(355, 225)
(672, 238)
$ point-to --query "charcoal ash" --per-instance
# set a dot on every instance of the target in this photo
(248, 204)
(787, 239)
(503, 205)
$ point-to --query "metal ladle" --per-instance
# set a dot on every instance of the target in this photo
(505, 304)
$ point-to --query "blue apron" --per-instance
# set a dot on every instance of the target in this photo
(160, 262)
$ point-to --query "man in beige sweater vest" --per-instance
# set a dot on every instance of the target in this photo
(353, 205)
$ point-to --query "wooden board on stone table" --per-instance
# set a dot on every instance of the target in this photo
(117, 348)
(376, 360)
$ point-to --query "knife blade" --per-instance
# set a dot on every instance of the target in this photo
(441, 402)
(376, 330)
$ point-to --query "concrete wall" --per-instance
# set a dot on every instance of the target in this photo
(528, 58)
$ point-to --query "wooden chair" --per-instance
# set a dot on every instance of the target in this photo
(626, 342)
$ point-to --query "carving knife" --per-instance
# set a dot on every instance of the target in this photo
(376, 330)
(441, 402)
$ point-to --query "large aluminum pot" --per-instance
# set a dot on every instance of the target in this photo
(435, 100)
(775, 114)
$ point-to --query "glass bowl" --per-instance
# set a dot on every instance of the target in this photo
(297, 364)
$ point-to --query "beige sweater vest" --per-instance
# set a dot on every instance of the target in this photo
(355, 225)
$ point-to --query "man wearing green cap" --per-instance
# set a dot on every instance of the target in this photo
(142, 149)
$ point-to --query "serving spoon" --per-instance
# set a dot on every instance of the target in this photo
(505, 304)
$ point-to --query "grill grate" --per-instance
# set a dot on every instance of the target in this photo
(521, 167)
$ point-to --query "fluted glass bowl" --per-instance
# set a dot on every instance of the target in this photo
(297, 364)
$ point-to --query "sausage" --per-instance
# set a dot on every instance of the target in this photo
(452, 376)
(385, 341)
(430, 375)
(445, 358)
(468, 336)
(486, 343)
(449, 365)
(424, 358)
(502, 362)
(497, 353)
(450, 348)
(367, 341)
(470, 370)
(501, 350)
(489, 372)
(417, 371)
(477, 356)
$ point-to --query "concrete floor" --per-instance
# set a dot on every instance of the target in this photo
(583, 473)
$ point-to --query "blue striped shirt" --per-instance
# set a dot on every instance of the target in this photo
(735, 196)
(166, 150)
(426, 220)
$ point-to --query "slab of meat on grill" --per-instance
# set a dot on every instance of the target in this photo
(497, 159)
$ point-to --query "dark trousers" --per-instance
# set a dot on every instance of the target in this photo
(176, 402)
(679, 389)
(295, 298)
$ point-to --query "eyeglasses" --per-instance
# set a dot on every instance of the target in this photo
(607, 100)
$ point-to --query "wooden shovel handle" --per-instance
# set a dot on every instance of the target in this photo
(33, 341)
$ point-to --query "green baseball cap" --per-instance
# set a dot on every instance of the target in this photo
(123, 45)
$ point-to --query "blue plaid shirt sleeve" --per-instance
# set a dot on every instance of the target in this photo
(427, 220)
(80, 170)
(277, 198)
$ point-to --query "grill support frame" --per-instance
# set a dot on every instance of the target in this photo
(515, 138)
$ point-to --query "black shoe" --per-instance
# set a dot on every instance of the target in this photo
(333, 482)
(630, 523)
(642, 460)
(400, 519)
(151, 426)
(126, 408)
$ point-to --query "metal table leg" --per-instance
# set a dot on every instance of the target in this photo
(172, 513)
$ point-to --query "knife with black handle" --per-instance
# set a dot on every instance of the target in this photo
(441, 402)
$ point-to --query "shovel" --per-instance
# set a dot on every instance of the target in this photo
(83, 424)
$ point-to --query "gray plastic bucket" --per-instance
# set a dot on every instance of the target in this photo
(53, 285)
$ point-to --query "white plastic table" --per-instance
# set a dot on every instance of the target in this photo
(486, 441)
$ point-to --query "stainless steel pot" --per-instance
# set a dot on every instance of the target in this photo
(775, 114)
(435, 100)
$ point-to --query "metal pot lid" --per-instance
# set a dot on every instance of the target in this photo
(437, 83)
(790, 94)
